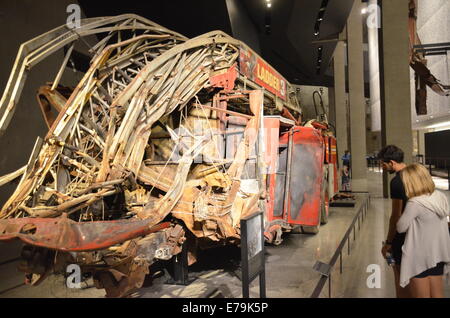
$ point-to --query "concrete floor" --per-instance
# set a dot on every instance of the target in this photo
(289, 271)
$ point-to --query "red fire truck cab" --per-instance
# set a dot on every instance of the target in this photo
(301, 176)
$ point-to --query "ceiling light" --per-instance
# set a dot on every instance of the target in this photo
(319, 19)
(364, 11)
(269, 5)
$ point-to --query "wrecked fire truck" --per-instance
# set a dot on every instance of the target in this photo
(166, 142)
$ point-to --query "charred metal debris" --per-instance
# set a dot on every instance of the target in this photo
(137, 154)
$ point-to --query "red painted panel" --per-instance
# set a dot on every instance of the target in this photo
(252, 66)
(306, 176)
(225, 80)
(66, 235)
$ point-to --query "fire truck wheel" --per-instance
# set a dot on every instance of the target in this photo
(297, 230)
(312, 229)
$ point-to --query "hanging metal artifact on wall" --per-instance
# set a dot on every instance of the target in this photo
(418, 63)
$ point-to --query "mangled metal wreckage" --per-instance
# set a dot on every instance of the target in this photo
(135, 157)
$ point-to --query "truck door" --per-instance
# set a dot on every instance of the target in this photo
(305, 182)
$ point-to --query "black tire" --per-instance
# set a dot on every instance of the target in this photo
(312, 229)
(297, 230)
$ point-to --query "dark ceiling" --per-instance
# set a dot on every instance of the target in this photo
(282, 35)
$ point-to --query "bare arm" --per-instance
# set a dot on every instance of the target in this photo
(397, 206)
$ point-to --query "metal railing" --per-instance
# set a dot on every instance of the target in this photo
(374, 164)
(326, 269)
(438, 166)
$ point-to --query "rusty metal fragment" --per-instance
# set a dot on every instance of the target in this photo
(138, 154)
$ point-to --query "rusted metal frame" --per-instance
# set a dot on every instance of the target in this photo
(95, 198)
(102, 185)
(63, 207)
(122, 59)
(132, 115)
(225, 111)
(268, 94)
(186, 92)
(137, 141)
(76, 164)
(69, 39)
(92, 123)
(80, 101)
(188, 65)
(100, 45)
(18, 75)
(128, 123)
(123, 56)
(286, 113)
(160, 60)
(13, 175)
(95, 137)
(71, 35)
(102, 104)
(167, 135)
(88, 159)
(31, 45)
(190, 81)
(232, 97)
(47, 99)
(138, 149)
(170, 199)
(60, 128)
(32, 160)
(63, 234)
(174, 67)
(137, 154)
(189, 90)
(149, 45)
(88, 77)
(63, 66)
(145, 175)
